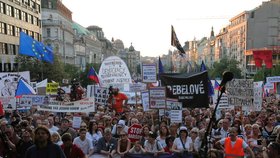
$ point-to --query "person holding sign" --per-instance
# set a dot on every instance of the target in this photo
(118, 101)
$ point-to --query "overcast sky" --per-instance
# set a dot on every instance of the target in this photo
(147, 23)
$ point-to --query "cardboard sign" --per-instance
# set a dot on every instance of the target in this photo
(135, 132)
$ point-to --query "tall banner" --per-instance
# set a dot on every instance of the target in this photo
(258, 95)
(241, 93)
(190, 89)
(9, 82)
(114, 72)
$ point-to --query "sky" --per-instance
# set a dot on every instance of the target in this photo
(147, 23)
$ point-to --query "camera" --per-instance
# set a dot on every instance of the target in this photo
(259, 142)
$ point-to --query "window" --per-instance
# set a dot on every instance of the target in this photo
(17, 31)
(50, 5)
(29, 18)
(2, 28)
(23, 16)
(10, 30)
(2, 8)
(12, 49)
(48, 32)
(36, 36)
(32, 4)
(3, 48)
(17, 13)
(35, 21)
(9, 10)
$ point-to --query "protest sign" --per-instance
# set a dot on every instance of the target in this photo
(273, 79)
(157, 98)
(175, 109)
(9, 103)
(84, 105)
(240, 92)
(149, 73)
(134, 132)
(190, 89)
(76, 122)
(52, 88)
(258, 90)
(29, 100)
(137, 87)
(145, 100)
(114, 72)
(9, 82)
(133, 97)
(100, 94)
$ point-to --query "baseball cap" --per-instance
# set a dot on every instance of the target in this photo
(121, 123)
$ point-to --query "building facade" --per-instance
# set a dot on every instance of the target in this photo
(57, 29)
(16, 16)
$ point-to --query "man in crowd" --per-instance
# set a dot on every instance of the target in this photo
(234, 146)
(43, 146)
(107, 145)
(64, 128)
(118, 101)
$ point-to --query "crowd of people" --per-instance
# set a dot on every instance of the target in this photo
(104, 133)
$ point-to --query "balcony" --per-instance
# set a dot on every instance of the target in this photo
(51, 23)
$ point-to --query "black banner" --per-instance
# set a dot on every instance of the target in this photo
(190, 89)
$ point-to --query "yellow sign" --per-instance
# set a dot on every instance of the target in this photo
(52, 88)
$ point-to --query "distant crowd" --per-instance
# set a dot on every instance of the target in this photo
(104, 133)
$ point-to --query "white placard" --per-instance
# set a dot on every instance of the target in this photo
(76, 122)
(114, 72)
(176, 110)
(273, 79)
(145, 100)
(157, 98)
(258, 95)
(9, 82)
(9, 103)
(149, 73)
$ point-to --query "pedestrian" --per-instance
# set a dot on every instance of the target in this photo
(71, 150)
(234, 146)
(43, 147)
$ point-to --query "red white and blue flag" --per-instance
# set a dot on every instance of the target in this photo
(92, 75)
(217, 85)
(24, 88)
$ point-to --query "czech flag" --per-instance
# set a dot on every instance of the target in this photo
(24, 88)
(217, 86)
(92, 75)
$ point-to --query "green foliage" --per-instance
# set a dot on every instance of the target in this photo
(39, 70)
(225, 65)
(263, 72)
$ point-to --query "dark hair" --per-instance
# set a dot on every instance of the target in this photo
(66, 137)
(82, 129)
(169, 138)
(45, 129)
(90, 127)
(152, 134)
(160, 132)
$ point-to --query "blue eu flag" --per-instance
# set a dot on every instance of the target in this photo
(30, 47)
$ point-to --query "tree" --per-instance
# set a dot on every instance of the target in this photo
(225, 65)
(39, 70)
(263, 72)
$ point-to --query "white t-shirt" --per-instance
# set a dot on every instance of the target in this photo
(94, 137)
(179, 144)
(153, 148)
(161, 141)
(85, 145)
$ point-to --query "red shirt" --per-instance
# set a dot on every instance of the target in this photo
(74, 152)
(118, 102)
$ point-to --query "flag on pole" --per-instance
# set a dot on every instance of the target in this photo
(92, 75)
(160, 66)
(30, 47)
(217, 85)
(24, 88)
(175, 42)
(210, 86)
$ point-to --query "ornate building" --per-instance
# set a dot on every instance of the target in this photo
(57, 29)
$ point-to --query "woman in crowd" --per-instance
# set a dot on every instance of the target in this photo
(124, 144)
(268, 128)
(145, 134)
(255, 140)
(137, 148)
(93, 134)
(56, 139)
(152, 146)
(183, 143)
(169, 143)
(163, 134)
